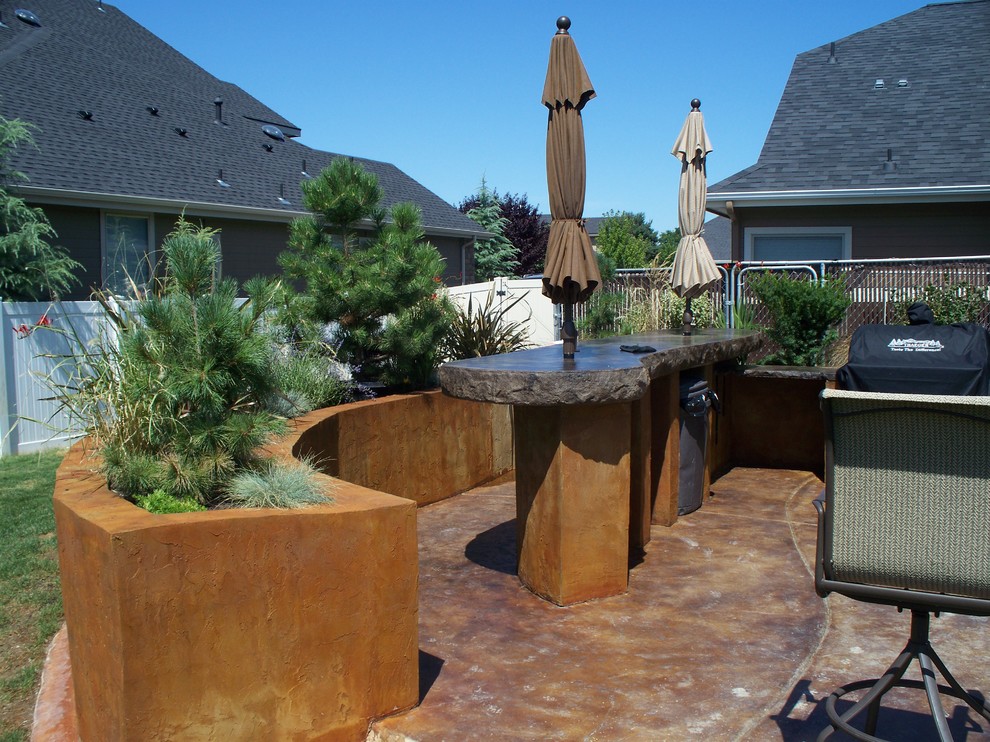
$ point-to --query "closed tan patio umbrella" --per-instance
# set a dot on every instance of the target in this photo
(570, 273)
(694, 270)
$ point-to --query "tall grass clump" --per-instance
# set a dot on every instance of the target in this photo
(602, 313)
(656, 307)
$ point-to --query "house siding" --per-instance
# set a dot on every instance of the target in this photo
(884, 231)
(78, 231)
(248, 248)
(450, 250)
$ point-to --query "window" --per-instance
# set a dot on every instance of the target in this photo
(799, 244)
(127, 254)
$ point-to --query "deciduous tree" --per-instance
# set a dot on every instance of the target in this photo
(667, 246)
(625, 238)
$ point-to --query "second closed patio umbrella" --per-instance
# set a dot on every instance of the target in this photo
(570, 272)
(694, 269)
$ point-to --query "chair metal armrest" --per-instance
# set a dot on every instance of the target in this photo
(819, 503)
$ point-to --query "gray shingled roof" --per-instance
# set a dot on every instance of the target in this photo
(718, 237)
(834, 127)
(107, 64)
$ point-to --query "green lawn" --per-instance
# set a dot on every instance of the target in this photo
(30, 597)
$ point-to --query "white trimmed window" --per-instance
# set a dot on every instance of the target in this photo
(128, 257)
(799, 244)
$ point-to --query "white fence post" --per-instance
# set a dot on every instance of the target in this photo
(8, 412)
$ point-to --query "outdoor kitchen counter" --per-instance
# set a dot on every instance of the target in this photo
(596, 446)
(599, 373)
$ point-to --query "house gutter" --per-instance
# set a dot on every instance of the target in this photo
(88, 199)
(724, 202)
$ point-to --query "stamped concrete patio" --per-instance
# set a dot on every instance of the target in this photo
(719, 637)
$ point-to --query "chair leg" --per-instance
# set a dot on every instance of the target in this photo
(918, 647)
(980, 707)
(934, 702)
(877, 689)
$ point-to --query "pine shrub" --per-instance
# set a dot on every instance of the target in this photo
(380, 290)
(188, 380)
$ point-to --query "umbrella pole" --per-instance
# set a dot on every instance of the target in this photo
(568, 331)
(688, 318)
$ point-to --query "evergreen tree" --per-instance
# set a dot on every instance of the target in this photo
(30, 266)
(379, 291)
(496, 256)
(525, 229)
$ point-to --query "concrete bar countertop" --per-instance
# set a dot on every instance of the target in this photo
(600, 373)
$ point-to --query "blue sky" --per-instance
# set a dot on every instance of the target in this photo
(450, 92)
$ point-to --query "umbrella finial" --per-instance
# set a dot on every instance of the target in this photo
(695, 105)
(563, 23)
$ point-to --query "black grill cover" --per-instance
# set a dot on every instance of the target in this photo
(918, 359)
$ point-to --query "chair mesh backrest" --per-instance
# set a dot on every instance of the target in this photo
(909, 491)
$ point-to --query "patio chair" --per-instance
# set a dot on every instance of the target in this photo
(905, 521)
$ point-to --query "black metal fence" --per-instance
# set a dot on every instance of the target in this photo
(879, 289)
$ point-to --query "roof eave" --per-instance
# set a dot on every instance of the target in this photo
(96, 200)
(724, 202)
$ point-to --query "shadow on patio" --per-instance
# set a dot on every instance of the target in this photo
(720, 635)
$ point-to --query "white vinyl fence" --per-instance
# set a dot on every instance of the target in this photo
(35, 349)
(32, 352)
(534, 310)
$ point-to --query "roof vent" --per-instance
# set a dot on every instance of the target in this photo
(274, 132)
(99, 6)
(902, 83)
(268, 147)
(152, 110)
(889, 165)
(85, 115)
(281, 195)
(181, 132)
(218, 111)
(28, 17)
(2, 24)
(220, 181)
(304, 172)
(831, 53)
(878, 85)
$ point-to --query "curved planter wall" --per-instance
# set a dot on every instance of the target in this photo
(424, 446)
(282, 624)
